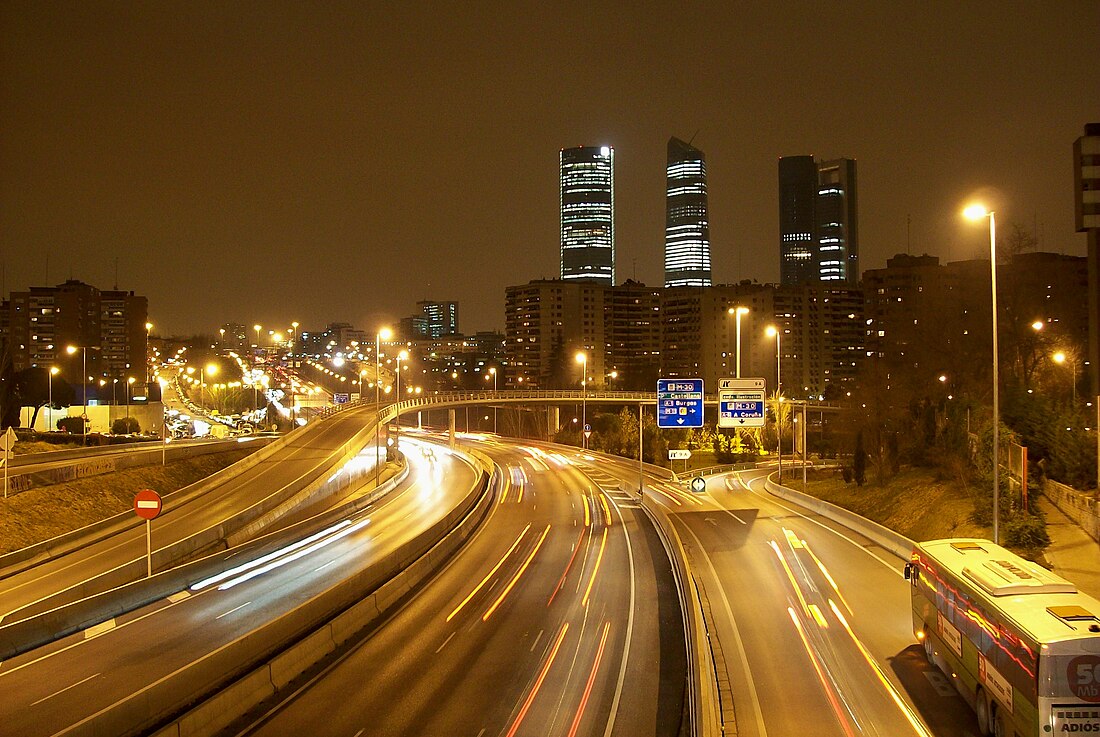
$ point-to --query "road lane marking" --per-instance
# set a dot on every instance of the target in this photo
(226, 614)
(99, 629)
(576, 548)
(536, 642)
(55, 693)
(179, 596)
(444, 643)
(834, 698)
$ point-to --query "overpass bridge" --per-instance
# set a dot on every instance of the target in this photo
(550, 397)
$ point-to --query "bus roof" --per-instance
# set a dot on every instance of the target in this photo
(1040, 602)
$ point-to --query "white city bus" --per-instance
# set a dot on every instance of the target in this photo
(1020, 643)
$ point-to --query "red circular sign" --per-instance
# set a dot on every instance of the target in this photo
(147, 504)
(1083, 676)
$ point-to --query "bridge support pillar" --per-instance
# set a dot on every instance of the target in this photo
(450, 428)
(553, 422)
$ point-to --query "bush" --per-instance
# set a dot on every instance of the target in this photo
(846, 474)
(125, 426)
(71, 425)
(1027, 533)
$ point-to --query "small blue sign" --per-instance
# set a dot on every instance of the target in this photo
(340, 398)
(679, 403)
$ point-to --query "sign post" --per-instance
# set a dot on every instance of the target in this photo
(7, 442)
(741, 403)
(147, 505)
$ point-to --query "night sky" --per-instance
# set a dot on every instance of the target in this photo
(269, 162)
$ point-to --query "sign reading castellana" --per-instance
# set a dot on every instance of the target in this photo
(679, 402)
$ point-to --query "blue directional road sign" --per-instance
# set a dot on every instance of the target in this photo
(740, 403)
(679, 402)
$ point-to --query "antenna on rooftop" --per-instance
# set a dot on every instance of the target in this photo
(693, 136)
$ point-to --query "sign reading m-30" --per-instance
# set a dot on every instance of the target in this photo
(741, 402)
(679, 402)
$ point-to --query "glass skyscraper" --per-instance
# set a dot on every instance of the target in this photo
(818, 221)
(687, 228)
(587, 198)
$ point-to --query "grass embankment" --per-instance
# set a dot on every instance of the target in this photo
(47, 511)
(915, 502)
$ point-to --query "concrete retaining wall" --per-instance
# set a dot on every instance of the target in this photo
(119, 459)
(1079, 506)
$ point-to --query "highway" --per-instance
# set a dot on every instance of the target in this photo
(55, 687)
(813, 620)
(308, 453)
(560, 617)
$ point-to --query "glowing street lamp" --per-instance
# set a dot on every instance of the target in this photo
(1060, 358)
(737, 312)
(54, 371)
(383, 334)
(493, 373)
(72, 349)
(773, 332)
(979, 212)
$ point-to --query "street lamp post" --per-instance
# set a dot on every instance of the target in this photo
(54, 371)
(773, 331)
(1060, 358)
(83, 389)
(582, 358)
(402, 356)
(977, 212)
(737, 312)
(493, 373)
(383, 334)
(129, 384)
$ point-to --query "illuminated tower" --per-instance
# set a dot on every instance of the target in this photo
(797, 238)
(587, 198)
(687, 230)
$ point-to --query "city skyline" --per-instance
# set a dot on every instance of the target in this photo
(323, 165)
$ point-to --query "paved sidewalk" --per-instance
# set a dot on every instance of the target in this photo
(1073, 554)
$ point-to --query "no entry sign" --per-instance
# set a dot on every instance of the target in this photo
(147, 504)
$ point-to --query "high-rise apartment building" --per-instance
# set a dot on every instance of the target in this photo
(547, 322)
(1086, 187)
(107, 328)
(818, 221)
(687, 228)
(587, 200)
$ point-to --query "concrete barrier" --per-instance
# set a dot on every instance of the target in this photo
(885, 538)
(707, 717)
(38, 624)
(233, 679)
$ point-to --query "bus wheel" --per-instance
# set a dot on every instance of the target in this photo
(982, 708)
(929, 650)
(999, 729)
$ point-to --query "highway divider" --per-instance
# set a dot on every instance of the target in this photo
(234, 679)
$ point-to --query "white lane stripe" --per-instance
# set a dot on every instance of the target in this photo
(99, 629)
(445, 642)
(226, 614)
(55, 693)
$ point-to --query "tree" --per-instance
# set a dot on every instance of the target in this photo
(859, 460)
(9, 404)
(33, 389)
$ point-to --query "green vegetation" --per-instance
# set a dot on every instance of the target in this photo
(44, 512)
